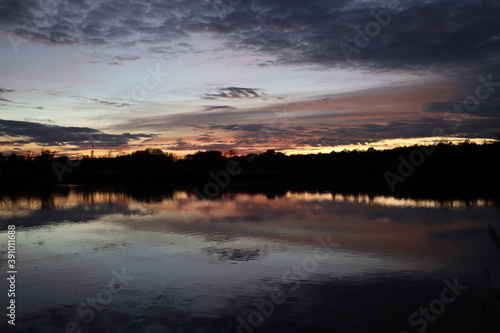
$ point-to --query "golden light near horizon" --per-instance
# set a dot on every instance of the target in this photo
(380, 145)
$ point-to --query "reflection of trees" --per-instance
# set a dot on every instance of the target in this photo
(146, 196)
(47, 201)
(237, 254)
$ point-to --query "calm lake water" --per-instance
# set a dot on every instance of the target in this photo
(113, 261)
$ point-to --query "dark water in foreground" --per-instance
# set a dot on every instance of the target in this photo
(107, 261)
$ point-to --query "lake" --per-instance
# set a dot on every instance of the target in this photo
(104, 260)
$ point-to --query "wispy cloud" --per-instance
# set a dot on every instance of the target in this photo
(101, 102)
(235, 92)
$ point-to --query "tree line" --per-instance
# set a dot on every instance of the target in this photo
(464, 163)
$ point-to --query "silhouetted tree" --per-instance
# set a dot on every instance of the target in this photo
(269, 153)
(45, 155)
(450, 167)
(230, 153)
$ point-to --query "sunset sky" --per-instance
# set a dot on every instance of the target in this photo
(249, 75)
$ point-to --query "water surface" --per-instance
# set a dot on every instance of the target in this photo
(316, 262)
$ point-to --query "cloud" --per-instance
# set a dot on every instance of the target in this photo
(289, 136)
(369, 115)
(3, 91)
(115, 104)
(486, 109)
(39, 120)
(458, 39)
(218, 108)
(424, 35)
(113, 59)
(101, 102)
(127, 57)
(205, 139)
(180, 144)
(322, 133)
(235, 92)
(52, 135)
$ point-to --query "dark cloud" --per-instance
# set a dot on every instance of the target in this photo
(180, 144)
(235, 92)
(487, 109)
(115, 104)
(328, 135)
(218, 108)
(183, 145)
(51, 135)
(113, 59)
(252, 128)
(3, 91)
(122, 58)
(421, 35)
(102, 102)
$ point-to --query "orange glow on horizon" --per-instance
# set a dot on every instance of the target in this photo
(378, 145)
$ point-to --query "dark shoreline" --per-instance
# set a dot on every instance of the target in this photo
(442, 171)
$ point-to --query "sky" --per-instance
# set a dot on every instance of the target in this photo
(248, 75)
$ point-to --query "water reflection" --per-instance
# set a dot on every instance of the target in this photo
(199, 264)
